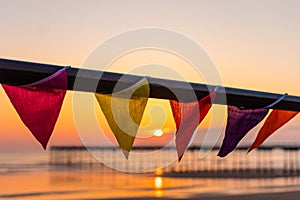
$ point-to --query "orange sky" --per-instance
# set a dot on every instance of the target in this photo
(254, 44)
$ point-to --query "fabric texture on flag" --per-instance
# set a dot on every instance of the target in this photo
(187, 117)
(275, 120)
(124, 110)
(239, 123)
(39, 104)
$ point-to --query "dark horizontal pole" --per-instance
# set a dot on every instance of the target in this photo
(18, 73)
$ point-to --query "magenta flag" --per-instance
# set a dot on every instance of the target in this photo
(39, 104)
(239, 123)
(187, 117)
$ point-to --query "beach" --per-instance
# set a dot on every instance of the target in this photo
(35, 179)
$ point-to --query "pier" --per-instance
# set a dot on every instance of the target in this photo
(267, 161)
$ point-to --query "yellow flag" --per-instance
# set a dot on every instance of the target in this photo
(124, 110)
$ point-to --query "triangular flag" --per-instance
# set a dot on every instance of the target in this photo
(187, 117)
(275, 120)
(39, 104)
(124, 111)
(239, 123)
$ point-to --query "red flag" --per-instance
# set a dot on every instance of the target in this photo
(187, 117)
(274, 121)
(39, 104)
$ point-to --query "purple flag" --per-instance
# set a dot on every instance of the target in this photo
(239, 123)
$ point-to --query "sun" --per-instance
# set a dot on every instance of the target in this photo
(158, 133)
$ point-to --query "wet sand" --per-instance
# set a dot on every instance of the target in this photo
(238, 174)
(273, 196)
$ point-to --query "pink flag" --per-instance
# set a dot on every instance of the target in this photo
(187, 117)
(39, 104)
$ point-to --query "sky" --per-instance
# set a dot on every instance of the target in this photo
(254, 44)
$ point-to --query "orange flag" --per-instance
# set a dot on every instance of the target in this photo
(274, 121)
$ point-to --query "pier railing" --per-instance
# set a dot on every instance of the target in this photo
(268, 161)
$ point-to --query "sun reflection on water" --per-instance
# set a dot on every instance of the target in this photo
(158, 185)
(158, 193)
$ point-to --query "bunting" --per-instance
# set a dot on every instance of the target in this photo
(187, 117)
(239, 123)
(39, 104)
(275, 120)
(124, 111)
